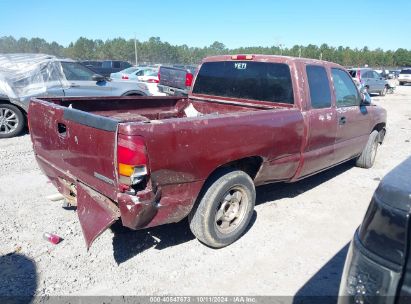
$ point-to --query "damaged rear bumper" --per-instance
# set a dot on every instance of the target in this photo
(147, 208)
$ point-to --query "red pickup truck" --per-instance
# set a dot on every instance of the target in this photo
(248, 120)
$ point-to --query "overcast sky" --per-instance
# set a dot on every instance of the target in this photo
(377, 23)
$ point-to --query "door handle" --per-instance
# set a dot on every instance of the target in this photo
(73, 85)
(342, 120)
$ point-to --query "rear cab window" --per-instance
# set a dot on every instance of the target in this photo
(320, 93)
(406, 71)
(260, 81)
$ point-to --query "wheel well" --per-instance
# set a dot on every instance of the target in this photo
(134, 93)
(381, 130)
(17, 106)
(250, 165)
(6, 101)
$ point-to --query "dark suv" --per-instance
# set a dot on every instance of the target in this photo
(106, 67)
(378, 265)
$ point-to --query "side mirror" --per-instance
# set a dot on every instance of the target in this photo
(98, 77)
(365, 97)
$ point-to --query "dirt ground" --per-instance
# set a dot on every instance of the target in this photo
(296, 244)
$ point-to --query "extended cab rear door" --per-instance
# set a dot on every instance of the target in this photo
(319, 152)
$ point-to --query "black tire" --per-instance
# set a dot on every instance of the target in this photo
(401, 83)
(12, 120)
(219, 199)
(367, 158)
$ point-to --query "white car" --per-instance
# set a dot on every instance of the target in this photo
(145, 78)
(404, 76)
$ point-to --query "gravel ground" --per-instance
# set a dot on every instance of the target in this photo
(296, 244)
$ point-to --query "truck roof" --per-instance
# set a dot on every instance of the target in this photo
(271, 58)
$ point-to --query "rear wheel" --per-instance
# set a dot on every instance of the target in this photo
(367, 158)
(12, 120)
(224, 211)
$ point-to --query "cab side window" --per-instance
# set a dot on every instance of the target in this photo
(346, 93)
(368, 74)
(320, 93)
(376, 75)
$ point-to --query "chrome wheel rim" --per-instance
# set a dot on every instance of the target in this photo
(8, 121)
(231, 210)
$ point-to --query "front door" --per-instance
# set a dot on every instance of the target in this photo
(353, 122)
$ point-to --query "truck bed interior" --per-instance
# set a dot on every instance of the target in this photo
(135, 108)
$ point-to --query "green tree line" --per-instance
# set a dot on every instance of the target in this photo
(156, 51)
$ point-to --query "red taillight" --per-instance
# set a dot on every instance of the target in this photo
(242, 57)
(189, 79)
(131, 158)
(152, 80)
(124, 77)
(158, 75)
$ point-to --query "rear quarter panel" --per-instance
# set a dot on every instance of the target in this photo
(189, 149)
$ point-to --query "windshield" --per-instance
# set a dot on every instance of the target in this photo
(248, 80)
(406, 72)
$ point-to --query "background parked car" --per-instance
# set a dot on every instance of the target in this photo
(146, 77)
(393, 74)
(373, 81)
(404, 76)
(23, 76)
(136, 73)
(106, 67)
(378, 264)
